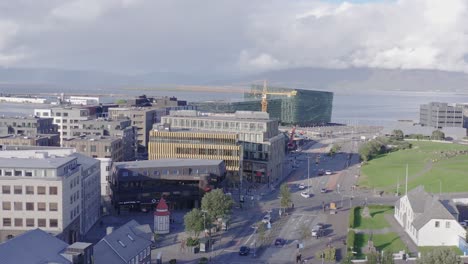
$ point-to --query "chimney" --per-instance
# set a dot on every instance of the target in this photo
(109, 230)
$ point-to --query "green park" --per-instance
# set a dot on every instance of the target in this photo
(439, 167)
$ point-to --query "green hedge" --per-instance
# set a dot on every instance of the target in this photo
(352, 214)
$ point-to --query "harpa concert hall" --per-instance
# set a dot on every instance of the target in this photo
(289, 106)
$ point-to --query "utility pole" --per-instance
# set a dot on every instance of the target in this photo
(398, 186)
(406, 181)
(308, 173)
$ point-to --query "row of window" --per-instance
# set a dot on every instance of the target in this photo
(437, 224)
(126, 173)
(18, 189)
(75, 212)
(28, 206)
(29, 222)
(7, 172)
(74, 197)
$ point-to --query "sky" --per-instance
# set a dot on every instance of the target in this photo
(232, 36)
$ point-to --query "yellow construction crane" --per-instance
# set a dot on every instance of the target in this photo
(265, 93)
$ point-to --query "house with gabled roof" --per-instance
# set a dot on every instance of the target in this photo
(131, 243)
(428, 220)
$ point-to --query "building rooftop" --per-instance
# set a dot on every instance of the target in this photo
(44, 162)
(33, 247)
(166, 163)
(123, 244)
(38, 136)
(237, 116)
(181, 130)
(92, 138)
(31, 118)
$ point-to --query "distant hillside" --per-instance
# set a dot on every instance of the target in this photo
(39, 80)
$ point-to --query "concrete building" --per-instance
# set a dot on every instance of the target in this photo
(263, 144)
(142, 118)
(97, 146)
(27, 126)
(67, 118)
(440, 115)
(121, 128)
(131, 243)
(139, 185)
(54, 189)
(38, 247)
(38, 140)
(429, 221)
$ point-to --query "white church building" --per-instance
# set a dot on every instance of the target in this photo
(428, 220)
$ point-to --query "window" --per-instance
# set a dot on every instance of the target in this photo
(18, 189)
(29, 206)
(447, 224)
(53, 207)
(107, 168)
(18, 206)
(437, 224)
(28, 173)
(6, 206)
(93, 148)
(18, 221)
(29, 189)
(41, 206)
(18, 173)
(6, 221)
(41, 190)
(53, 190)
(41, 222)
(156, 173)
(5, 189)
(8, 173)
(53, 223)
(30, 222)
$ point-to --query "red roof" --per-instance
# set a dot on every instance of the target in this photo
(162, 205)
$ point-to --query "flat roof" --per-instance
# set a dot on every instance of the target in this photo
(167, 163)
(194, 130)
(92, 138)
(32, 162)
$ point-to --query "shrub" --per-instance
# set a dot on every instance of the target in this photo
(172, 261)
(352, 215)
(203, 260)
(191, 242)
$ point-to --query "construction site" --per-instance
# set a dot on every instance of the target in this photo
(290, 106)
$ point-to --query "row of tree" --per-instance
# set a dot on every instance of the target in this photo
(382, 145)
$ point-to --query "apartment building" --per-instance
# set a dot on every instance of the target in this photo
(37, 140)
(53, 189)
(121, 128)
(142, 118)
(103, 148)
(440, 115)
(138, 185)
(26, 126)
(263, 145)
(67, 118)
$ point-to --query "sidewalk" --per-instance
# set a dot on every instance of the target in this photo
(401, 233)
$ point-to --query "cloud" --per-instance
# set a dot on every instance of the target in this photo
(133, 36)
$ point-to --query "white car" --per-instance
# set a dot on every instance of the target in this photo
(305, 194)
(302, 186)
(328, 172)
(266, 219)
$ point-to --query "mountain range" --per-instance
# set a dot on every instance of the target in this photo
(338, 80)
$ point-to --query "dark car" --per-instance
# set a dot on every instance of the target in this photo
(279, 242)
(244, 251)
(321, 172)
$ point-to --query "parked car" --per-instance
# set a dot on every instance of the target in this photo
(244, 251)
(319, 226)
(305, 194)
(266, 219)
(323, 190)
(302, 186)
(328, 172)
(279, 242)
(464, 224)
(320, 172)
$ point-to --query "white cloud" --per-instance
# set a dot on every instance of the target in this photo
(230, 36)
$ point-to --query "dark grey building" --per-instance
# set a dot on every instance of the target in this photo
(27, 126)
(440, 115)
(130, 243)
(182, 182)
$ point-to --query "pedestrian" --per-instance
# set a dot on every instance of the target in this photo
(292, 205)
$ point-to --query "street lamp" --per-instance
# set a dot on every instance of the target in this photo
(204, 221)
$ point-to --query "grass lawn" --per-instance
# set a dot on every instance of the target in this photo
(424, 250)
(377, 220)
(384, 172)
(389, 241)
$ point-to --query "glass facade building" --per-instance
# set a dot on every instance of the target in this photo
(305, 108)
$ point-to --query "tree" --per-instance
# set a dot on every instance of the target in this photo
(387, 257)
(121, 101)
(348, 259)
(439, 256)
(373, 258)
(438, 135)
(193, 222)
(397, 134)
(285, 195)
(216, 204)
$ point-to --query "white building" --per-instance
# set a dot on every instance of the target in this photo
(428, 220)
(66, 118)
(83, 100)
(53, 189)
(29, 100)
